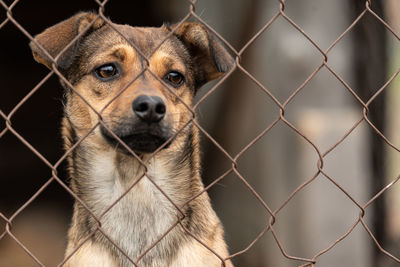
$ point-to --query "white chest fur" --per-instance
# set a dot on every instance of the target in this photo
(143, 215)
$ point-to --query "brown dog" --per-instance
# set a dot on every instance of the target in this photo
(145, 115)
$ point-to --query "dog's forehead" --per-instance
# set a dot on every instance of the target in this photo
(142, 36)
(145, 39)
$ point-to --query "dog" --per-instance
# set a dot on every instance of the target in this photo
(150, 115)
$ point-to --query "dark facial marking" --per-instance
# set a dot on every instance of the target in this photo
(144, 139)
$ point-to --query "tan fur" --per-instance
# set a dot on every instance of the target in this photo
(102, 170)
(90, 255)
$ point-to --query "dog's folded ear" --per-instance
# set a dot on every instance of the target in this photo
(57, 37)
(210, 58)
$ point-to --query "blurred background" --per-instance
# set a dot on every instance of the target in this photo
(234, 114)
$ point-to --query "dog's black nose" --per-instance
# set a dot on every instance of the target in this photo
(149, 108)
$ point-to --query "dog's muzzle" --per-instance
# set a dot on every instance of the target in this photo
(144, 133)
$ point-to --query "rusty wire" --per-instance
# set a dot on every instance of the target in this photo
(238, 67)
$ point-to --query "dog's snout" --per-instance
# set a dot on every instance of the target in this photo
(149, 108)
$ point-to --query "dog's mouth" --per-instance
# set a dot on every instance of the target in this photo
(144, 142)
(140, 142)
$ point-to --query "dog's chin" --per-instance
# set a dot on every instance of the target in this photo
(140, 142)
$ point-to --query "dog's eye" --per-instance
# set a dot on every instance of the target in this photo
(174, 78)
(106, 71)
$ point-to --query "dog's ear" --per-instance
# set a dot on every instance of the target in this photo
(57, 37)
(210, 58)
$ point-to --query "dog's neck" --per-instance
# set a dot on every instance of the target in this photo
(99, 177)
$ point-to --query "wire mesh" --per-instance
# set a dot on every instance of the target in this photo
(238, 67)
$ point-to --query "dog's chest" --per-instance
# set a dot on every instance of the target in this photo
(141, 216)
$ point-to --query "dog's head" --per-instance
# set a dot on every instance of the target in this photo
(107, 72)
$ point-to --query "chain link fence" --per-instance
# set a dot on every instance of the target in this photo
(299, 260)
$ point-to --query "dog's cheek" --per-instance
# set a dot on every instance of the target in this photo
(183, 109)
(101, 90)
(83, 105)
(173, 115)
(96, 90)
(78, 114)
